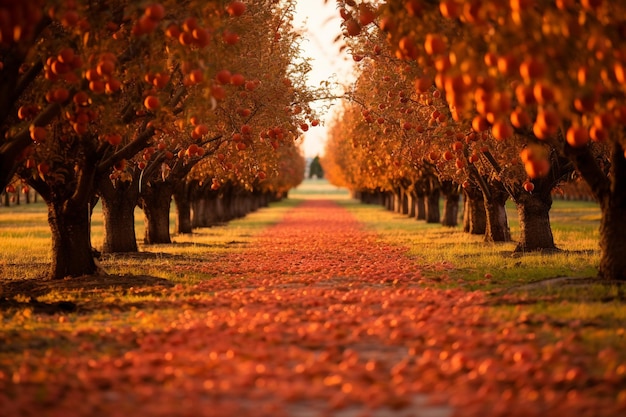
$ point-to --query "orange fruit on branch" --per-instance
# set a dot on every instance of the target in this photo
(155, 11)
(434, 44)
(532, 68)
(236, 8)
(577, 136)
(520, 118)
(38, 133)
(480, 123)
(528, 186)
(501, 129)
(152, 102)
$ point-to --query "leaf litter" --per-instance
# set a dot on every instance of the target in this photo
(317, 317)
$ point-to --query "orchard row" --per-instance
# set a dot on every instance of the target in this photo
(497, 100)
(133, 103)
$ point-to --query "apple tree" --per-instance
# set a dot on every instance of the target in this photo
(98, 84)
(556, 87)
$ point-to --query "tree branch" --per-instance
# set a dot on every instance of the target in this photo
(128, 151)
(587, 165)
(86, 174)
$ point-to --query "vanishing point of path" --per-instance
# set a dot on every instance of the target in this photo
(317, 317)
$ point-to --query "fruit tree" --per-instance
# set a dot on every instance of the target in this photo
(99, 91)
(545, 75)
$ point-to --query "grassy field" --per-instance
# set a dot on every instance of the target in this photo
(575, 229)
(447, 256)
(148, 301)
(25, 241)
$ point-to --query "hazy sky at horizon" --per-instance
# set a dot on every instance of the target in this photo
(320, 23)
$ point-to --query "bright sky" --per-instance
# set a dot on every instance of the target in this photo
(322, 22)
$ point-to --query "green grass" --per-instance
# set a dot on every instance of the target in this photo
(25, 242)
(135, 282)
(469, 258)
(312, 189)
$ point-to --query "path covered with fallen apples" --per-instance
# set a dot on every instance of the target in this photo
(318, 317)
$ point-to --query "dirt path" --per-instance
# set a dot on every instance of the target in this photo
(316, 318)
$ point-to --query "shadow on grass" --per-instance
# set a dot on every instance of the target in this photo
(573, 289)
(38, 307)
(19, 294)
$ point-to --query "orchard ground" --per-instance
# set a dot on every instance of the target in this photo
(314, 306)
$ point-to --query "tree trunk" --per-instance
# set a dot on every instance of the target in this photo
(432, 206)
(613, 223)
(397, 200)
(242, 204)
(497, 226)
(198, 210)
(420, 206)
(71, 240)
(466, 214)
(227, 205)
(451, 204)
(266, 199)
(183, 208)
(255, 201)
(534, 221)
(612, 241)
(410, 196)
(451, 210)
(609, 188)
(389, 200)
(69, 213)
(218, 209)
(118, 212)
(155, 202)
(199, 207)
(474, 215)
(404, 201)
(206, 210)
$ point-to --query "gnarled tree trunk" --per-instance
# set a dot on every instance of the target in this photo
(207, 210)
(451, 204)
(613, 223)
(155, 202)
(451, 210)
(397, 200)
(183, 208)
(420, 205)
(474, 215)
(404, 201)
(118, 212)
(610, 190)
(432, 206)
(497, 226)
(612, 241)
(410, 197)
(69, 217)
(534, 219)
(71, 240)
(227, 204)
(388, 200)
